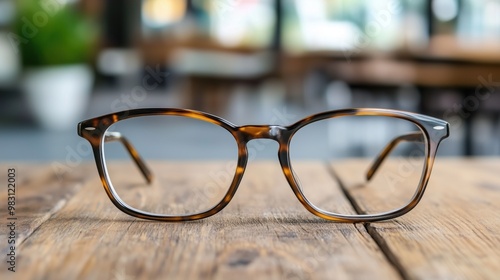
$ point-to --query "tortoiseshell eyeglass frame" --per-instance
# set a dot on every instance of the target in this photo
(433, 131)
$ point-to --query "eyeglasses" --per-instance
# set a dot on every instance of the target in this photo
(180, 165)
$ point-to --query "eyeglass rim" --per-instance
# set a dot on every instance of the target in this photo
(93, 130)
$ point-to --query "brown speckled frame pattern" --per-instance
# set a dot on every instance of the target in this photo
(95, 131)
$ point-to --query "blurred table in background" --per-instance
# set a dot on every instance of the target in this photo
(67, 228)
(444, 64)
(474, 73)
(210, 70)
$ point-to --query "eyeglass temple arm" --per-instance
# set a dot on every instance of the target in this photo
(117, 136)
(410, 137)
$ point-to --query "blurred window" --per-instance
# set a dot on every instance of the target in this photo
(242, 22)
(478, 21)
(161, 13)
(232, 23)
(353, 24)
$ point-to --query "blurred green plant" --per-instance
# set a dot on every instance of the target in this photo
(51, 33)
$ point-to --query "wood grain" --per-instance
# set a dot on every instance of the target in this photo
(454, 232)
(264, 233)
(40, 192)
(72, 231)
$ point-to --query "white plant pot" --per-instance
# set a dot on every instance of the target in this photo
(58, 95)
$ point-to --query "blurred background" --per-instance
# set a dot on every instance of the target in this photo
(249, 61)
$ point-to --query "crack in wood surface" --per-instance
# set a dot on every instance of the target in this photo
(371, 231)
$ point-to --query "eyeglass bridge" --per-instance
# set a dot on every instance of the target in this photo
(272, 132)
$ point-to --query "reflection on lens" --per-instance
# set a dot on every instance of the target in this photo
(349, 146)
(193, 163)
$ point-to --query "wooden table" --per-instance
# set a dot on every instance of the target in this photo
(68, 229)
